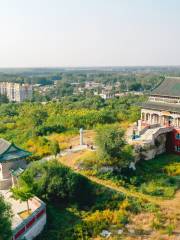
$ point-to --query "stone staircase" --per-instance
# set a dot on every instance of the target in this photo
(148, 135)
(152, 133)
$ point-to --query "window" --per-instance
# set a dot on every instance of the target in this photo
(177, 148)
(178, 136)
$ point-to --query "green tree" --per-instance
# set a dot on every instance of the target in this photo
(55, 148)
(112, 148)
(5, 220)
(38, 117)
(23, 191)
(54, 182)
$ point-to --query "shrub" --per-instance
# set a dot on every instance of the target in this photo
(158, 221)
(46, 130)
(172, 169)
(100, 220)
(158, 187)
(170, 228)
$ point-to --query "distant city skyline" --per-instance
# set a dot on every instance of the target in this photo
(84, 33)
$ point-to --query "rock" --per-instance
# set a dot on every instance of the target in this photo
(120, 231)
(132, 166)
(105, 233)
(127, 226)
(131, 231)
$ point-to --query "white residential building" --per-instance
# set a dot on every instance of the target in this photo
(15, 91)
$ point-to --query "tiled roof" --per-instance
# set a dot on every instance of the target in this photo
(9, 151)
(169, 87)
(161, 106)
(4, 145)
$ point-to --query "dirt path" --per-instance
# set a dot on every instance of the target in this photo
(172, 204)
(172, 210)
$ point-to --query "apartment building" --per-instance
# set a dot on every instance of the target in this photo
(15, 91)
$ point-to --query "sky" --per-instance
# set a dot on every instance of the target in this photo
(72, 33)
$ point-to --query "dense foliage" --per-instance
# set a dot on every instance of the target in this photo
(30, 124)
(112, 148)
(56, 183)
(5, 220)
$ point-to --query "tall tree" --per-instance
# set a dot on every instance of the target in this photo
(55, 149)
(23, 192)
(112, 148)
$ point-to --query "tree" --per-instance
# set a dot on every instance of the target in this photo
(54, 182)
(55, 149)
(5, 220)
(112, 148)
(23, 191)
(38, 116)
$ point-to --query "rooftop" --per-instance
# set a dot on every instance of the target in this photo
(9, 151)
(161, 106)
(169, 87)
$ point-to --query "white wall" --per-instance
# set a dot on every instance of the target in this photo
(36, 229)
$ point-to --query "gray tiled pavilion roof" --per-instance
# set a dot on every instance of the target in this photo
(169, 87)
(9, 151)
(4, 145)
(161, 106)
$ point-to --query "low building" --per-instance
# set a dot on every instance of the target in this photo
(106, 95)
(16, 92)
(11, 159)
(25, 225)
(160, 118)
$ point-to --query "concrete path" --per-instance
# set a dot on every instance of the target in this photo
(65, 152)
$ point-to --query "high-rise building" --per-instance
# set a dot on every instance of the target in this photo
(15, 91)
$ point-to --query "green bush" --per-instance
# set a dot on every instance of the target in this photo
(158, 187)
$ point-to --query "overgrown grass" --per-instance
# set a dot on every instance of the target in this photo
(157, 177)
(160, 176)
(110, 208)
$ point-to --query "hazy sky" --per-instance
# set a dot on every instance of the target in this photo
(38, 33)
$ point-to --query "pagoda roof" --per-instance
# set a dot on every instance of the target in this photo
(169, 87)
(9, 151)
(161, 106)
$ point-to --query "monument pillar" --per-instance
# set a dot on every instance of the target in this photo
(81, 136)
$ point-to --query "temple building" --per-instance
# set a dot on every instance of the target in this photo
(11, 163)
(25, 225)
(160, 118)
(163, 106)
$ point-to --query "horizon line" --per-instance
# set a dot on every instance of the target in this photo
(89, 66)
